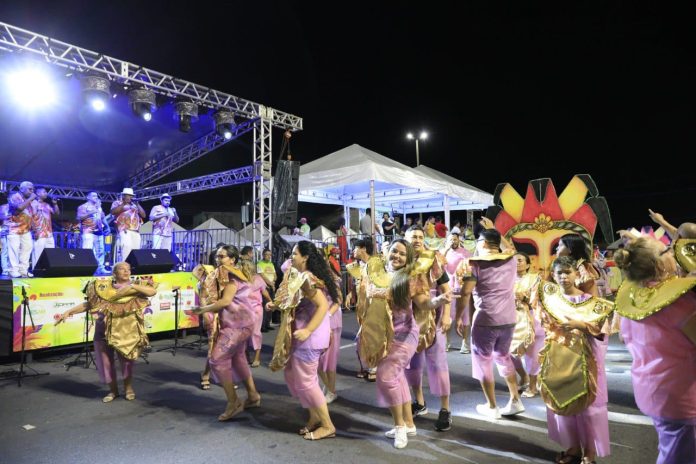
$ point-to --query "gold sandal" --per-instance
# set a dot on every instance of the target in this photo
(225, 416)
(109, 398)
(310, 435)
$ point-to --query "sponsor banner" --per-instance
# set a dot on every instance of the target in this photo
(50, 297)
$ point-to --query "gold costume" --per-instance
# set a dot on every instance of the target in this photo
(123, 316)
(523, 336)
(568, 374)
(377, 329)
(685, 253)
(429, 266)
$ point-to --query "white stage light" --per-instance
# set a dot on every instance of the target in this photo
(147, 116)
(97, 104)
(31, 87)
(96, 91)
(228, 135)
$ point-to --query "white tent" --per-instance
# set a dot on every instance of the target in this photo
(323, 234)
(245, 236)
(476, 193)
(360, 178)
(218, 232)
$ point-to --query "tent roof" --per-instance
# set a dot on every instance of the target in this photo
(211, 223)
(343, 177)
(321, 233)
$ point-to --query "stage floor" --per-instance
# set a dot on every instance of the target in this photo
(173, 421)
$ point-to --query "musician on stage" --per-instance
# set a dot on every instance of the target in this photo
(129, 217)
(43, 207)
(117, 305)
(19, 242)
(163, 217)
(93, 227)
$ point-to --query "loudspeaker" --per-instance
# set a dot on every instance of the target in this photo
(150, 261)
(285, 190)
(65, 262)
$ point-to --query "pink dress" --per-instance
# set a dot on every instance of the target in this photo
(303, 364)
(590, 427)
(228, 358)
(256, 300)
(664, 376)
(329, 358)
(392, 386)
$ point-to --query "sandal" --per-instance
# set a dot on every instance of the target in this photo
(205, 384)
(311, 436)
(109, 398)
(130, 396)
(564, 458)
(306, 429)
(227, 415)
(248, 404)
(255, 364)
(371, 377)
(361, 374)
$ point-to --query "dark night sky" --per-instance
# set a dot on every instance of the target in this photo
(508, 93)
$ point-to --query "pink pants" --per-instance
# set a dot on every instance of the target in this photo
(303, 381)
(329, 358)
(228, 358)
(106, 366)
(392, 387)
(435, 358)
(491, 344)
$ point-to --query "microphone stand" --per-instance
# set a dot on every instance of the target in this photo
(85, 344)
(174, 347)
(25, 309)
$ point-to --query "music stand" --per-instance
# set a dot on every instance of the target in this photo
(25, 309)
(174, 347)
(86, 352)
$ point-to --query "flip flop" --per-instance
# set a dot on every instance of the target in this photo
(310, 436)
(109, 398)
(130, 396)
(205, 384)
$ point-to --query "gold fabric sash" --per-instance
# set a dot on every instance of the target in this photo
(428, 265)
(287, 298)
(685, 253)
(637, 302)
(377, 328)
(123, 317)
(354, 269)
(523, 337)
(594, 310)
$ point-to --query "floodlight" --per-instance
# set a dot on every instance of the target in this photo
(186, 113)
(142, 102)
(423, 135)
(31, 87)
(96, 91)
(409, 136)
(224, 123)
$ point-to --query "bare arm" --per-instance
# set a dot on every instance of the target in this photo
(467, 289)
(446, 320)
(81, 308)
(228, 294)
(660, 219)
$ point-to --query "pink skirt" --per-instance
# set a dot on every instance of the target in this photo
(589, 429)
(303, 381)
(228, 357)
(329, 358)
(392, 387)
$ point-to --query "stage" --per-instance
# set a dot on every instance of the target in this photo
(49, 297)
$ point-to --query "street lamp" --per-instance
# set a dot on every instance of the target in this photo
(422, 136)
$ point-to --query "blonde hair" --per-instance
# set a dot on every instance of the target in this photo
(248, 268)
(639, 260)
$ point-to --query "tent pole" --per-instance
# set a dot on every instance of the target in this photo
(447, 212)
(374, 213)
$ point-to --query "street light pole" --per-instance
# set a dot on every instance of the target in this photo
(417, 155)
(422, 136)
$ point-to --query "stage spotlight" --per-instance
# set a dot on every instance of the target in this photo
(31, 87)
(96, 91)
(142, 102)
(186, 113)
(224, 123)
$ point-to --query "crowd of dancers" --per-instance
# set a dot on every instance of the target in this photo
(547, 332)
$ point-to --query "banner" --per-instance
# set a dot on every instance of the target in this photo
(50, 297)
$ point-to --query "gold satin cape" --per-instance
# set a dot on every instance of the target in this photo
(428, 266)
(123, 316)
(568, 375)
(523, 337)
(377, 328)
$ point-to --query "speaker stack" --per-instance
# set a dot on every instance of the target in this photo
(150, 261)
(284, 198)
(65, 262)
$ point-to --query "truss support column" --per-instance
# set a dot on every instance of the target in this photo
(263, 181)
(470, 218)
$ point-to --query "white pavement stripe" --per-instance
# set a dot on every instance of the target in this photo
(347, 346)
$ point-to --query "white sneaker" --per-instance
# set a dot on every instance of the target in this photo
(400, 437)
(513, 407)
(491, 413)
(465, 348)
(410, 431)
(330, 397)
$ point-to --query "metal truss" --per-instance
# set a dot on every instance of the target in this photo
(68, 193)
(263, 181)
(13, 39)
(197, 184)
(157, 168)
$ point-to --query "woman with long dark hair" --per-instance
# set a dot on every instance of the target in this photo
(310, 329)
(227, 358)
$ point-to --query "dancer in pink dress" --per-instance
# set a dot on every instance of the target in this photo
(236, 322)
(310, 338)
(328, 362)
(126, 300)
(257, 294)
(584, 431)
(660, 333)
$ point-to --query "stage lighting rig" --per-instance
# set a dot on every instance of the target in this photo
(224, 123)
(96, 91)
(186, 113)
(142, 102)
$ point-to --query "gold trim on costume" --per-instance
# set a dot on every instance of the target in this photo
(685, 253)
(593, 310)
(354, 269)
(637, 302)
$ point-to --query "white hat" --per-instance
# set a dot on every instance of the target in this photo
(165, 195)
(128, 191)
